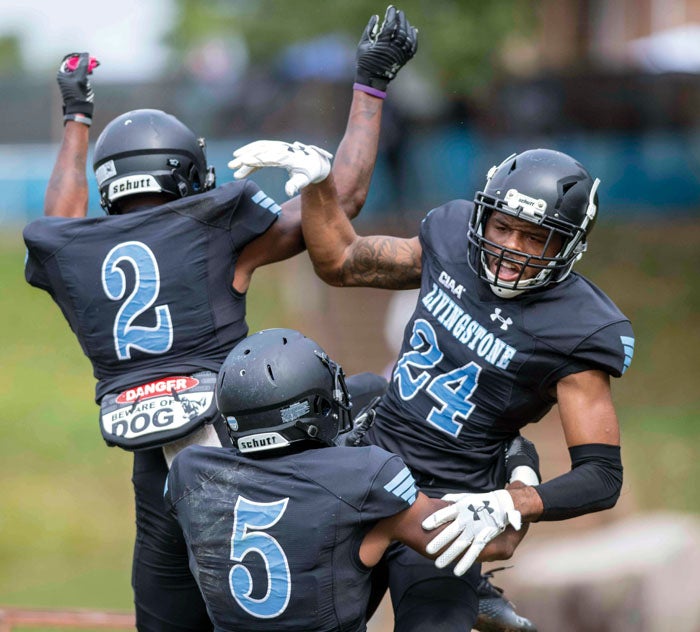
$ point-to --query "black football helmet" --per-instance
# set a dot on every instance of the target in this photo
(277, 388)
(547, 188)
(149, 151)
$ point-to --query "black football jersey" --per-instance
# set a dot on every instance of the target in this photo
(274, 542)
(474, 368)
(149, 293)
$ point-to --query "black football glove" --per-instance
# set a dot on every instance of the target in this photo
(521, 452)
(75, 87)
(384, 50)
(362, 422)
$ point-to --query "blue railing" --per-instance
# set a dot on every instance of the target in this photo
(654, 173)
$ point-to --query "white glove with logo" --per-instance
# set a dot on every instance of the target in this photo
(477, 519)
(305, 163)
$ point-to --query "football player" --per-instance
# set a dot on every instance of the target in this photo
(282, 529)
(502, 330)
(155, 290)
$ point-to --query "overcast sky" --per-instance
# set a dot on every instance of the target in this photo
(123, 34)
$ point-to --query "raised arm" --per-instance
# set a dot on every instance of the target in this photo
(354, 164)
(67, 191)
(339, 255)
(342, 258)
(382, 51)
(357, 153)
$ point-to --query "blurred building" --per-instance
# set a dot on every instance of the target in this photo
(611, 33)
(606, 64)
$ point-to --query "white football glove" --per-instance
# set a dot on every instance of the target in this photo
(305, 163)
(476, 520)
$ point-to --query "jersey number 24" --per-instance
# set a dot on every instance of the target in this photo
(450, 391)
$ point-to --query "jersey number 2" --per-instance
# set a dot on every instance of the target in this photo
(451, 391)
(251, 519)
(157, 339)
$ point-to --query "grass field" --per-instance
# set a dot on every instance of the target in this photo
(66, 515)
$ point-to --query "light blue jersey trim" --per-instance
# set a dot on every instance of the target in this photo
(266, 202)
(628, 345)
(403, 485)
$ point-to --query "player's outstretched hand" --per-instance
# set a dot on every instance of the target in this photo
(384, 50)
(476, 519)
(74, 83)
(305, 164)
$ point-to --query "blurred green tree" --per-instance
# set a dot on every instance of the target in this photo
(10, 55)
(459, 43)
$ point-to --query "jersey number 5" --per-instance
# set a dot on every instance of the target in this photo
(451, 391)
(157, 339)
(251, 519)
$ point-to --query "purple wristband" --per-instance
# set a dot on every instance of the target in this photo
(78, 118)
(373, 91)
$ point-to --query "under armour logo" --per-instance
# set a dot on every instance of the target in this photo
(505, 322)
(476, 510)
(297, 147)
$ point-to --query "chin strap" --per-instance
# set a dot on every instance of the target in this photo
(210, 179)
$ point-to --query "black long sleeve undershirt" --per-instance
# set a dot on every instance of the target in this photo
(593, 484)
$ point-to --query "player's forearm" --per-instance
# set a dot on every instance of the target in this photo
(327, 231)
(356, 155)
(527, 501)
(342, 258)
(67, 191)
(593, 484)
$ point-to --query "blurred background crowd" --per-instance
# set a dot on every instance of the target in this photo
(613, 82)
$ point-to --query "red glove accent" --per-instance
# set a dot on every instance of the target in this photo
(72, 63)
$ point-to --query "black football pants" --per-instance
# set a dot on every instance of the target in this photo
(425, 598)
